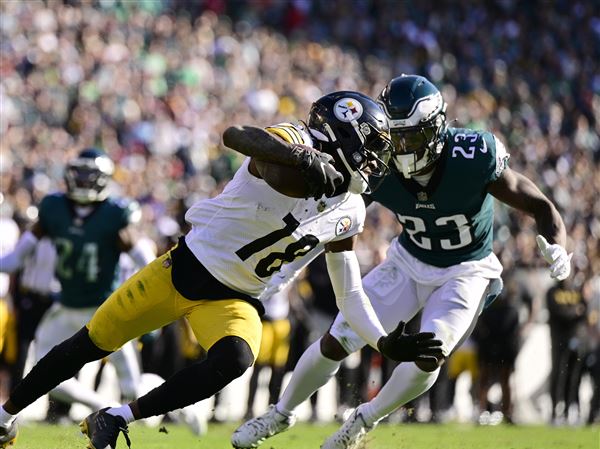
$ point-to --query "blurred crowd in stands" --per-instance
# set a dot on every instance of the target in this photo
(154, 83)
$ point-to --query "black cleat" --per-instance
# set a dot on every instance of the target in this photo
(8, 435)
(102, 429)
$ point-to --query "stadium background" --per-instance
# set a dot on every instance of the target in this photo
(155, 83)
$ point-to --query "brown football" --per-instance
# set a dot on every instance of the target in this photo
(283, 178)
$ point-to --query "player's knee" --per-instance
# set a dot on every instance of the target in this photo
(231, 357)
(331, 348)
(81, 347)
(430, 366)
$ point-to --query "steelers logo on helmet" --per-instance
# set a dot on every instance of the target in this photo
(353, 128)
(347, 110)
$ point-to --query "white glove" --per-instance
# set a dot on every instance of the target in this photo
(557, 257)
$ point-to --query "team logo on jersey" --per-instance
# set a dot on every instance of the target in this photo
(422, 196)
(347, 109)
(343, 225)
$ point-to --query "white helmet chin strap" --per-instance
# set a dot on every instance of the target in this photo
(358, 183)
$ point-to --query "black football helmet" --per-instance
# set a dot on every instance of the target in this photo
(417, 115)
(88, 176)
(354, 130)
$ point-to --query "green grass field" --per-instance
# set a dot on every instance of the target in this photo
(305, 436)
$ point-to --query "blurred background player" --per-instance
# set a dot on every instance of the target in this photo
(10, 235)
(497, 337)
(274, 348)
(89, 229)
(441, 188)
(35, 290)
(567, 309)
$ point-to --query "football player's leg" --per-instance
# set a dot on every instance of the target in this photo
(393, 296)
(312, 371)
(60, 364)
(130, 311)
(279, 356)
(145, 302)
(230, 331)
(57, 325)
(450, 312)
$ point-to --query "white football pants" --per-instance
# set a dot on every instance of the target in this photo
(60, 323)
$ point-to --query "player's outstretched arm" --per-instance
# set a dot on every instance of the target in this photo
(262, 145)
(13, 261)
(344, 272)
(520, 192)
(317, 168)
(346, 280)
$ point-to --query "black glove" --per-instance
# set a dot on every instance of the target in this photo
(401, 347)
(321, 176)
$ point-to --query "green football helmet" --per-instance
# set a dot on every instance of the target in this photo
(88, 175)
(417, 115)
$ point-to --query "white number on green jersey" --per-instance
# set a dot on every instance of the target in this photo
(468, 152)
(87, 264)
(415, 226)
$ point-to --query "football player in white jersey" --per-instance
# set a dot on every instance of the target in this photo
(233, 255)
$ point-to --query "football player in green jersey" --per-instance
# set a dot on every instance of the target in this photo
(442, 188)
(90, 230)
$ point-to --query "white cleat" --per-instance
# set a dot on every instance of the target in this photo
(350, 435)
(256, 430)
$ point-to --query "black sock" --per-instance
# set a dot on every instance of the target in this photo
(60, 364)
(227, 360)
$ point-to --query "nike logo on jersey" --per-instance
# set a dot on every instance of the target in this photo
(424, 206)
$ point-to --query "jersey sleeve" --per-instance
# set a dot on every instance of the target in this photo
(354, 222)
(498, 156)
(290, 133)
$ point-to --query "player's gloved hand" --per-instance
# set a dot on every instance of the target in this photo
(557, 257)
(401, 347)
(321, 176)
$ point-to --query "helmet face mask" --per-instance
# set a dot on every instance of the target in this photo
(88, 176)
(417, 115)
(354, 130)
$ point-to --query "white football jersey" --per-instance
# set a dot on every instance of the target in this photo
(255, 240)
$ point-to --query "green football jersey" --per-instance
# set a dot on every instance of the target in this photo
(450, 220)
(88, 255)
